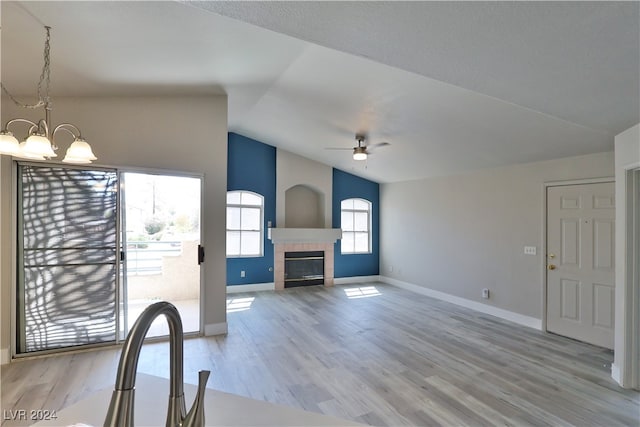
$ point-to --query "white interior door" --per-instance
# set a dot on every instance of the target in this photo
(580, 262)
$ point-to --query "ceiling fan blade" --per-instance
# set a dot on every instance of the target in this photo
(338, 148)
(378, 145)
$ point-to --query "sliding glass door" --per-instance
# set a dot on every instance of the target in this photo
(67, 257)
(161, 234)
(92, 253)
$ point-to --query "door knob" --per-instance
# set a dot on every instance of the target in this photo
(551, 267)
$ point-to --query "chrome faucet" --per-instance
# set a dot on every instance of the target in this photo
(120, 412)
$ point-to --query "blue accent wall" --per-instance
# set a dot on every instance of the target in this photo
(348, 186)
(251, 166)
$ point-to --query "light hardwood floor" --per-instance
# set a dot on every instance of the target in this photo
(397, 358)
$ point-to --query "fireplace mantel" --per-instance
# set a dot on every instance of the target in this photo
(304, 235)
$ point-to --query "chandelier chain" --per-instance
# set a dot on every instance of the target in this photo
(40, 142)
(45, 77)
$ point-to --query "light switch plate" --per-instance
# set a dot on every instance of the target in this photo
(529, 250)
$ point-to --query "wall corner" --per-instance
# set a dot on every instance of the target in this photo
(215, 329)
(5, 356)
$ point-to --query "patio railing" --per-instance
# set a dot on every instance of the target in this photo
(145, 257)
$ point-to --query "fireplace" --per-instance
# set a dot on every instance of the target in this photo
(303, 268)
(303, 240)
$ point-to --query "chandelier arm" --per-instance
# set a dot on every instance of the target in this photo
(65, 127)
(19, 120)
(43, 128)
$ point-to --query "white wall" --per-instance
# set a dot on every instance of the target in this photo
(459, 234)
(291, 170)
(6, 258)
(4, 295)
(172, 133)
(304, 208)
(626, 363)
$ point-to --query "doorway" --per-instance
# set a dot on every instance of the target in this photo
(95, 247)
(580, 262)
(161, 236)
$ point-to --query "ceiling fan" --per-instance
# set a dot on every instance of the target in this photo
(362, 150)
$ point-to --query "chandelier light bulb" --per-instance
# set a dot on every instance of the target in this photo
(38, 145)
(26, 155)
(79, 152)
(9, 144)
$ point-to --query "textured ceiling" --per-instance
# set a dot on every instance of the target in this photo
(454, 86)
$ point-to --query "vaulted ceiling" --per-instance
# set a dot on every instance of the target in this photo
(453, 86)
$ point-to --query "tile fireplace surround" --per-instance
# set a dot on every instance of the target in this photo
(301, 240)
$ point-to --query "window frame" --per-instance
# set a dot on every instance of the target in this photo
(242, 206)
(369, 231)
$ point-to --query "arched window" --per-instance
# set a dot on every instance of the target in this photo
(355, 221)
(245, 213)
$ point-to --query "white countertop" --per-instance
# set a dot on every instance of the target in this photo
(221, 409)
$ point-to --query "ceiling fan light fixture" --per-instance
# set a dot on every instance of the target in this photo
(360, 153)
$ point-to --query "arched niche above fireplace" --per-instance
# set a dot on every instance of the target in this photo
(304, 207)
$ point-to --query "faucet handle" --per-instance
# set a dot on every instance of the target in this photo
(195, 417)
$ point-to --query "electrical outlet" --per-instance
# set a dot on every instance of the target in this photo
(485, 293)
(242, 273)
(529, 250)
(391, 268)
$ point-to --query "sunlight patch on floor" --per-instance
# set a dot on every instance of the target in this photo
(362, 292)
(239, 304)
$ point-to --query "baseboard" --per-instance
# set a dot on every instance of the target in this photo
(5, 356)
(215, 329)
(233, 289)
(616, 374)
(511, 316)
(355, 279)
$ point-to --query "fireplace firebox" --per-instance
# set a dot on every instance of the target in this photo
(303, 268)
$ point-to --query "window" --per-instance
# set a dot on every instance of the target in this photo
(244, 224)
(355, 221)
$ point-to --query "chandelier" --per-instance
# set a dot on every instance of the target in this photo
(40, 142)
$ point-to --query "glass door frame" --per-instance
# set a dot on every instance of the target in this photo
(120, 335)
(15, 253)
(122, 287)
